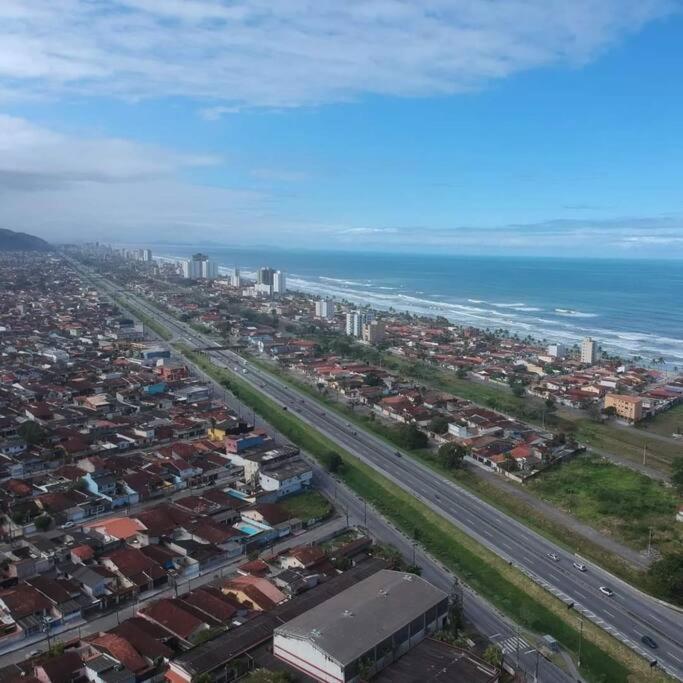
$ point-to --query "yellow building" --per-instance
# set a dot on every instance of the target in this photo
(627, 407)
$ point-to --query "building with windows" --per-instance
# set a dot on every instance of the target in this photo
(627, 407)
(324, 309)
(279, 282)
(363, 629)
(264, 276)
(558, 351)
(354, 323)
(589, 351)
(374, 332)
(199, 267)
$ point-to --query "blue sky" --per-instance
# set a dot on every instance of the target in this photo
(525, 127)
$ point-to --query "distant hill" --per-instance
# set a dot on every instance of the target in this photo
(21, 241)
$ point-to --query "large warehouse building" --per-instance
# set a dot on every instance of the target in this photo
(362, 629)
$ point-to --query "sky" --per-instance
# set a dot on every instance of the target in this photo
(539, 127)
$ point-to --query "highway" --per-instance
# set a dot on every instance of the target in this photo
(628, 614)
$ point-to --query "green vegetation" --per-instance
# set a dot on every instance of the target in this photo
(206, 634)
(308, 505)
(628, 442)
(677, 475)
(603, 658)
(447, 462)
(31, 432)
(511, 400)
(618, 501)
(43, 522)
(667, 423)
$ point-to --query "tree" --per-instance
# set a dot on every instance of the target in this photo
(493, 655)
(410, 437)
(518, 389)
(461, 372)
(334, 462)
(43, 522)
(31, 432)
(452, 455)
(677, 474)
(610, 411)
(666, 577)
(439, 425)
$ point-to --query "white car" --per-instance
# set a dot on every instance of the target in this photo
(580, 567)
(67, 525)
(607, 591)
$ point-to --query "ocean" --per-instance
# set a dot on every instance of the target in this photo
(632, 307)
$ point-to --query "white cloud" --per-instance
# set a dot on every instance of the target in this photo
(297, 52)
(32, 156)
(64, 187)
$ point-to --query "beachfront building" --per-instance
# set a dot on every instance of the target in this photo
(589, 351)
(324, 309)
(279, 282)
(199, 267)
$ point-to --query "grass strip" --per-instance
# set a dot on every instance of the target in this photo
(603, 657)
(520, 510)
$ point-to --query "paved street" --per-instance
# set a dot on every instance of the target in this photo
(628, 615)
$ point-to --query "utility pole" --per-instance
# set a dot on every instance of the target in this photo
(649, 542)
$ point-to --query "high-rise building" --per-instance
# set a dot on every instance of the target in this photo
(354, 323)
(199, 267)
(279, 282)
(589, 351)
(324, 309)
(557, 350)
(374, 332)
(235, 279)
(146, 254)
(264, 275)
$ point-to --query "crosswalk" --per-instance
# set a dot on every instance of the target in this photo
(511, 645)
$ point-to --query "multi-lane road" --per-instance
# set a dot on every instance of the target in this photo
(627, 614)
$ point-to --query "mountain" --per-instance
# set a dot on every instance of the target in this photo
(21, 241)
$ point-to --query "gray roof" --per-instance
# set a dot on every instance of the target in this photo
(347, 625)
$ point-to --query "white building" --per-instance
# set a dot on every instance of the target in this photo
(146, 254)
(363, 629)
(235, 279)
(558, 351)
(324, 309)
(354, 323)
(589, 351)
(279, 282)
(287, 477)
(199, 267)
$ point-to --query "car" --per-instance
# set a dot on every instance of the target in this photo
(606, 590)
(397, 454)
(580, 567)
(649, 642)
(355, 433)
(554, 557)
(67, 525)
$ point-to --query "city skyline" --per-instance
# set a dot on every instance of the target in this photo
(537, 129)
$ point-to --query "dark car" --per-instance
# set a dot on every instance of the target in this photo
(397, 454)
(649, 642)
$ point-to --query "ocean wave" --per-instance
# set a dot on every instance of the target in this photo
(569, 312)
(567, 325)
